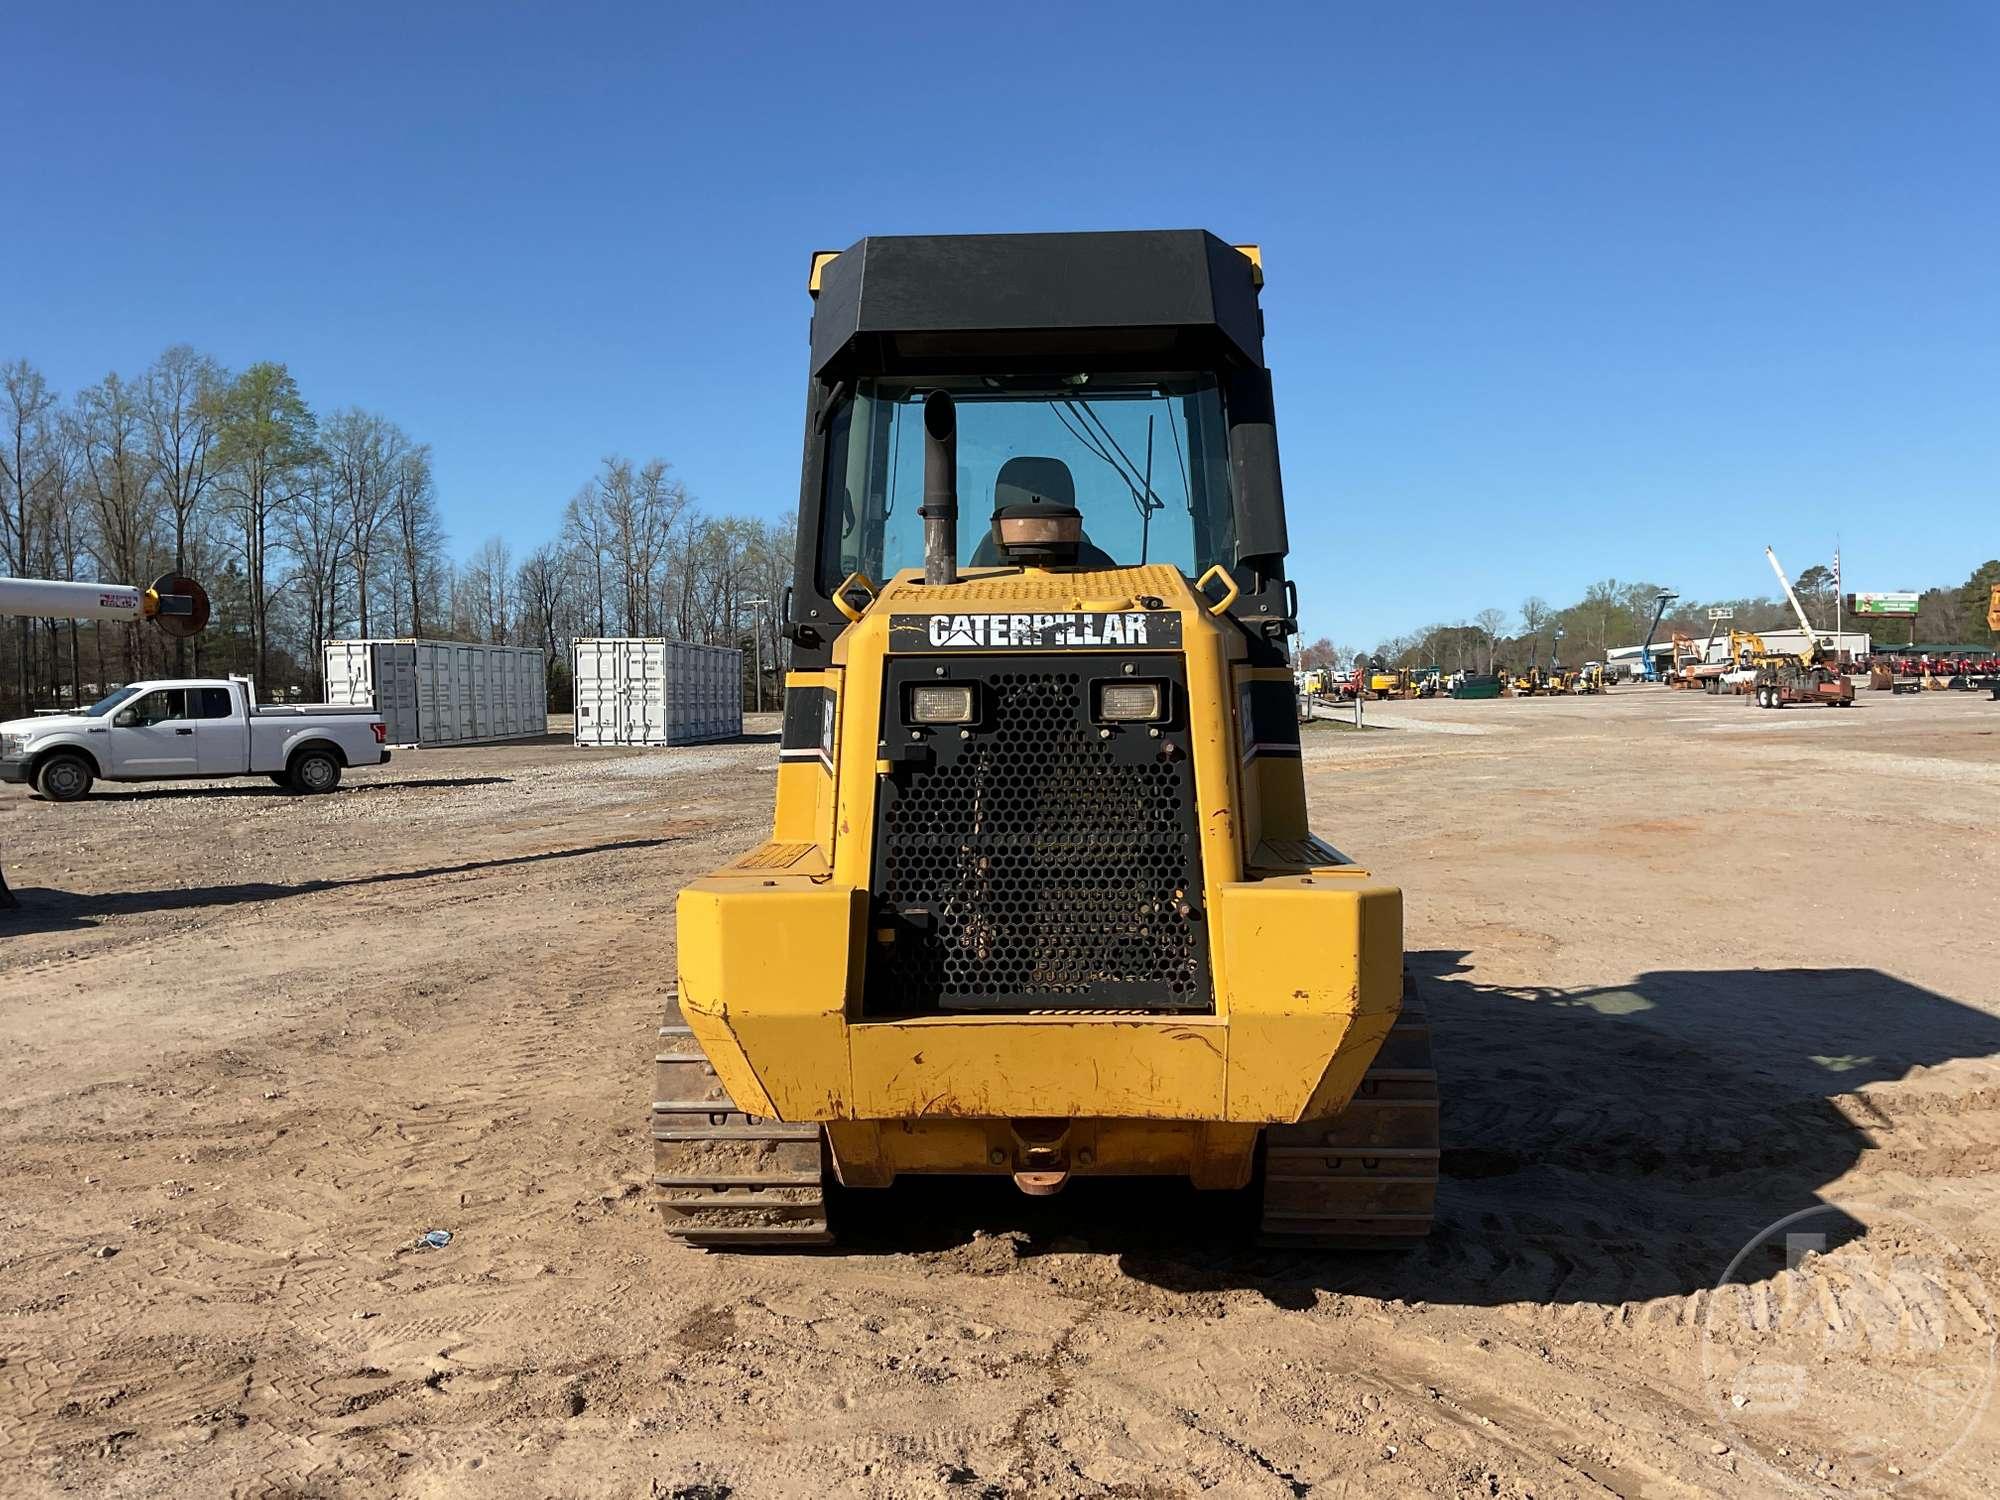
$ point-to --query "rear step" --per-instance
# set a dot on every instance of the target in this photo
(1366, 1179)
(722, 1178)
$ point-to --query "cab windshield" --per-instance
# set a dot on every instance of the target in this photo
(109, 701)
(1147, 456)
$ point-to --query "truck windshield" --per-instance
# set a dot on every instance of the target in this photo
(109, 701)
(1147, 456)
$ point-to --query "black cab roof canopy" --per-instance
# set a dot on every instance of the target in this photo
(1164, 298)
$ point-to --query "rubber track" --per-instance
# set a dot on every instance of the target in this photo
(722, 1178)
(1366, 1179)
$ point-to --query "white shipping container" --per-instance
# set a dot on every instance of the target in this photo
(642, 690)
(443, 692)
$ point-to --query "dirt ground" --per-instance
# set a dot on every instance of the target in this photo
(1693, 967)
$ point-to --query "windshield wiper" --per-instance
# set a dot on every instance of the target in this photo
(1098, 439)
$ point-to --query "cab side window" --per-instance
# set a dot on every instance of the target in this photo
(214, 703)
(159, 706)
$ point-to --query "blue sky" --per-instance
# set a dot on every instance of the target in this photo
(1556, 291)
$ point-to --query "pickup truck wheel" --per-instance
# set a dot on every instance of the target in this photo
(64, 778)
(315, 771)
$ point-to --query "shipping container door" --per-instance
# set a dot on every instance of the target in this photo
(471, 676)
(596, 706)
(647, 693)
(394, 665)
(449, 693)
(501, 719)
(517, 694)
(348, 680)
(617, 668)
(675, 659)
(433, 694)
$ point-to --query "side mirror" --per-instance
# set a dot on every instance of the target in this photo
(125, 719)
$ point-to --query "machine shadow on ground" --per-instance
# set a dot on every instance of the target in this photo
(44, 910)
(1600, 1145)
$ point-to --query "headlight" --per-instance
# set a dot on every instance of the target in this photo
(1130, 702)
(14, 746)
(950, 704)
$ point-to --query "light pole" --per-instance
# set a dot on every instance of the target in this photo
(758, 606)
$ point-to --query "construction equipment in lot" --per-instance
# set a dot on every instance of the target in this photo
(1687, 657)
(1041, 900)
(1695, 666)
(1784, 678)
(1649, 668)
(1738, 674)
(1993, 623)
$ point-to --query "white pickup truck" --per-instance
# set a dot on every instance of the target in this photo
(190, 727)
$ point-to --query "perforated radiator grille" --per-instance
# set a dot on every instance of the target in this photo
(1035, 861)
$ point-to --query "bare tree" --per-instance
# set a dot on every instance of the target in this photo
(1491, 622)
(182, 398)
(586, 533)
(314, 530)
(366, 456)
(63, 551)
(264, 447)
(113, 442)
(419, 532)
(541, 586)
(488, 591)
(28, 458)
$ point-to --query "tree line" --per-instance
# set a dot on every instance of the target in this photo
(1612, 613)
(306, 527)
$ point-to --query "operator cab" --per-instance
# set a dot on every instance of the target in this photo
(1112, 410)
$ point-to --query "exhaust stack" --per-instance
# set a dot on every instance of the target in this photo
(940, 507)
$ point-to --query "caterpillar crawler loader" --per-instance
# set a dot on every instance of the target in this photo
(1041, 900)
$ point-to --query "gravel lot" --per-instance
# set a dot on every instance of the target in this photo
(1693, 967)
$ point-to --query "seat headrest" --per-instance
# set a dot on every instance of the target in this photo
(1031, 479)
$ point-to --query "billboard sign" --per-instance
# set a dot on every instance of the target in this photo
(1722, 613)
(1882, 604)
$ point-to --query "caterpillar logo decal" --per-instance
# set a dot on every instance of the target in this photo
(1158, 629)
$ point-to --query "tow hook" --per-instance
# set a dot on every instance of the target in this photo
(1043, 1147)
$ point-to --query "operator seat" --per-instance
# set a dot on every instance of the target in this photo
(1031, 479)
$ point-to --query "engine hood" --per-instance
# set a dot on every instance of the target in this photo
(38, 725)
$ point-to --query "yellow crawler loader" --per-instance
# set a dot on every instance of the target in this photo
(1041, 900)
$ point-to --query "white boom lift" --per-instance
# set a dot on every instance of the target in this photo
(1812, 635)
